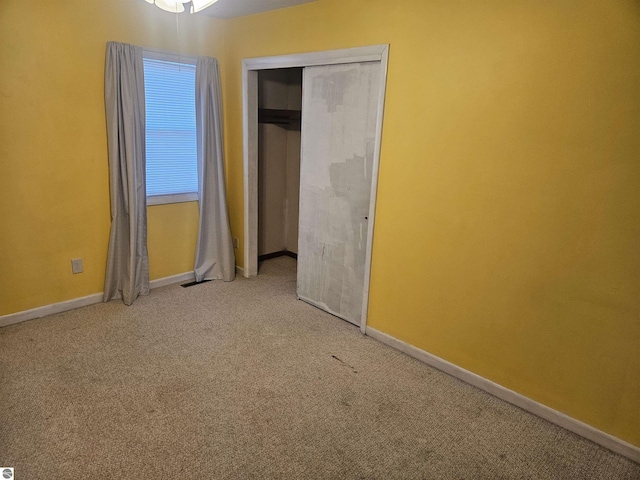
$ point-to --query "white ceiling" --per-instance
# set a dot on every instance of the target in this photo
(238, 8)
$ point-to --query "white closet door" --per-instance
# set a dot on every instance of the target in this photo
(339, 111)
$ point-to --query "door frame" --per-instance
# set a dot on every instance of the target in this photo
(250, 68)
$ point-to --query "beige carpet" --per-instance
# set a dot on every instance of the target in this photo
(240, 380)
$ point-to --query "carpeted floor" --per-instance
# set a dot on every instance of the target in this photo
(240, 380)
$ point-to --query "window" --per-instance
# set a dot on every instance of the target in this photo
(169, 90)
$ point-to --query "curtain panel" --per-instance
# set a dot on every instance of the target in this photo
(127, 273)
(214, 259)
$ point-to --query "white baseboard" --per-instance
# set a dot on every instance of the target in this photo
(40, 312)
(181, 277)
(239, 271)
(60, 307)
(597, 436)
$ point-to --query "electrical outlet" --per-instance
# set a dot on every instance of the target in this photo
(235, 242)
(76, 265)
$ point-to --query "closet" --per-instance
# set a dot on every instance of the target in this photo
(312, 127)
(279, 105)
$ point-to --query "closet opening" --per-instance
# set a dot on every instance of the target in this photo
(279, 114)
(330, 78)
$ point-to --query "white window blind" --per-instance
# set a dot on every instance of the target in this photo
(171, 127)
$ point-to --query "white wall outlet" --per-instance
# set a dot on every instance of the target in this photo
(76, 265)
(236, 242)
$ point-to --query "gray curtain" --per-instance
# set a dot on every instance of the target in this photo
(127, 259)
(214, 257)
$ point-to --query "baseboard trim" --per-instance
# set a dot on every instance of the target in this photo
(181, 277)
(239, 271)
(281, 253)
(52, 309)
(60, 307)
(597, 436)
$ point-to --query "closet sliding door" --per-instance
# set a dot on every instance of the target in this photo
(339, 114)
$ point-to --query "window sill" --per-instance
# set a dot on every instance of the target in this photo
(176, 198)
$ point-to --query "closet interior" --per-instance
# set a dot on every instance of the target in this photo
(279, 113)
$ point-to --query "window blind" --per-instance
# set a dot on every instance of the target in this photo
(171, 127)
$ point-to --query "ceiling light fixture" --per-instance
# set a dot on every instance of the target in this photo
(177, 6)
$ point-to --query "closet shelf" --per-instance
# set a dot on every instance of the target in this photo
(284, 118)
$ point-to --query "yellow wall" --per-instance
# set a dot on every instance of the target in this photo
(508, 218)
(508, 215)
(54, 177)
